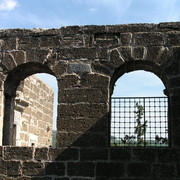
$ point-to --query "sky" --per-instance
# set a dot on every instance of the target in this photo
(57, 13)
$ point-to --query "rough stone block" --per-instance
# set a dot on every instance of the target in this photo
(138, 53)
(1, 151)
(68, 81)
(18, 153)
(28, 43)
(63, 154)
(112, 169)
(125, 39)
(8, 61)
(13, 168)
(95, 81)
(176, 52)
(149, 39)
(120, 155)
(77, 53)
(168, 155)
(144, 155)
(82, 124)
(55, 168)
(59, 68)
(9, 44)
(70, 30)
(32, 168)
(85, 169)
(93, 154)
(173, 38)
(126, 53)
(19, 57)
(115, 58)
(41, 154)
(50, 41)
(73, 41)
(83, 110)
(163, 171)
(93, 95)
(82, 140)
(138, 170)
(78, 68)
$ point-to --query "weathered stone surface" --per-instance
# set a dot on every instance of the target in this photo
(78, 68)
(59, 68)
(9, 44)
(94, 95)
(173, 38)
(106, 169)
(18, 153)
(68, 81)
(82, 110)
(55, 168)
(29, 43)
(95, 80)
(139, 53)
(138, 170)
(148, 39)
(63, 154)
(121, 155)
(13, 168)
(19, 57)
(85, 169)
(77, 53)
(33, 168)
(126, 39)
(41, 154)
(8, 61)
(176, 52)
(126, 53)
(115, 58)
(92, 154)
(50, 41)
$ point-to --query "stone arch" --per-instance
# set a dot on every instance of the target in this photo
(149, 66)
(15, 76)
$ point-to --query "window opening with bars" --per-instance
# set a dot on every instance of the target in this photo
(139, 121)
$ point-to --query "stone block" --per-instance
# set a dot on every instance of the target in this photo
(18, 153)
(126, 53)
(176, 52)
(55, 168)
(9, 44)
(173, 38)
(85, 169)
(13, 168)
(41, 154)
(149, 39)
(115, 58)
(70, 30)
(19, 57)
(102, 53)
(93, 95)
(82, 124)
(78, 68)
(120, 155)
(63, 154)
(168, 155)
(95, 80)
(83, 110)
(50, 41)
(144, 155)
(110, 169)
(125, 39)
(8, 61)
(138, 53)
(93, 154)
(28, 43)
(82, 139)
(77, 53)
(138, 170)
(1, 151)
(73, 41)
(163, 171)
(59, 68)
(32, 168)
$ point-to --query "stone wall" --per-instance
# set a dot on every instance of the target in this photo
(87, 61)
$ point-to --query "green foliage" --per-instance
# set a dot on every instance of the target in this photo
(116, 37)
(140, 129)
(161, 140)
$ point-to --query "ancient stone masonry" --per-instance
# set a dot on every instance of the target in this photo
(87, 61)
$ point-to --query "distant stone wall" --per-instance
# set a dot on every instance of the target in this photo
(37, 117)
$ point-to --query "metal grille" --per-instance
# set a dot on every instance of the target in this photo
(139, 121)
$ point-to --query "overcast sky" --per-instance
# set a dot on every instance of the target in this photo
(57, 13)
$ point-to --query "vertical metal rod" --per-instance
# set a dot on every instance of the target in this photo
(144, 122)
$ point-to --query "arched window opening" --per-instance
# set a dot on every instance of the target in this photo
(35, 111)
(139, 111)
